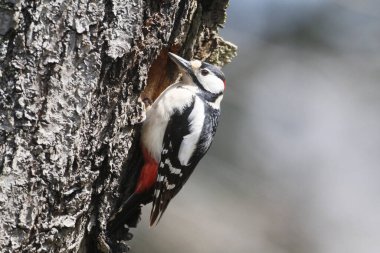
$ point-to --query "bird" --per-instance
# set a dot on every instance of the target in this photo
(177, 132)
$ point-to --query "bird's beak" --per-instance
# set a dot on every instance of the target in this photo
(182, 64)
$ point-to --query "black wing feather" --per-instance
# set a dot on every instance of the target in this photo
(177, 128)
(172, 175)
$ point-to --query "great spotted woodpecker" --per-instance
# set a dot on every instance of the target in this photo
(178, 131)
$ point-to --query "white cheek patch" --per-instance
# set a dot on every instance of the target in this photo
(212, 83)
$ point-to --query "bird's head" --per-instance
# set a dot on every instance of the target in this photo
(205, 75)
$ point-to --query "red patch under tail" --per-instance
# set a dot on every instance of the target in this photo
(148, 174)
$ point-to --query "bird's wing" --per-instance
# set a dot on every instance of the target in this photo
(177, 157)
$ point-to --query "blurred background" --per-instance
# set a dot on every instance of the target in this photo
(295, 163)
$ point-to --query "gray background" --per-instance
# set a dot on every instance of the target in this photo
(295, 163)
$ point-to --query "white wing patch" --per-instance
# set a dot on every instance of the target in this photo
(189, 143)
(158, 116)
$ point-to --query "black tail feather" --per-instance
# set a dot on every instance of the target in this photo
(159, 206)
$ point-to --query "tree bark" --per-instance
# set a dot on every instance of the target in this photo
(73, 75)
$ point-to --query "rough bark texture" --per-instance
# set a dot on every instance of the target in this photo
(72, 76)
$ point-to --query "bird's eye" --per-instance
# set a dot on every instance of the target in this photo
(204, 72)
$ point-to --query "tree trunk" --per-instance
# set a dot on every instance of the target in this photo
(72, 76)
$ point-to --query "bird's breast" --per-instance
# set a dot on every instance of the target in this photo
(174, 98)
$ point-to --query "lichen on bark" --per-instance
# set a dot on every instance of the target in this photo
(72, 75)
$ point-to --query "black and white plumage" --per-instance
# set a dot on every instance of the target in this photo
(178, 131)
(180, 127)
